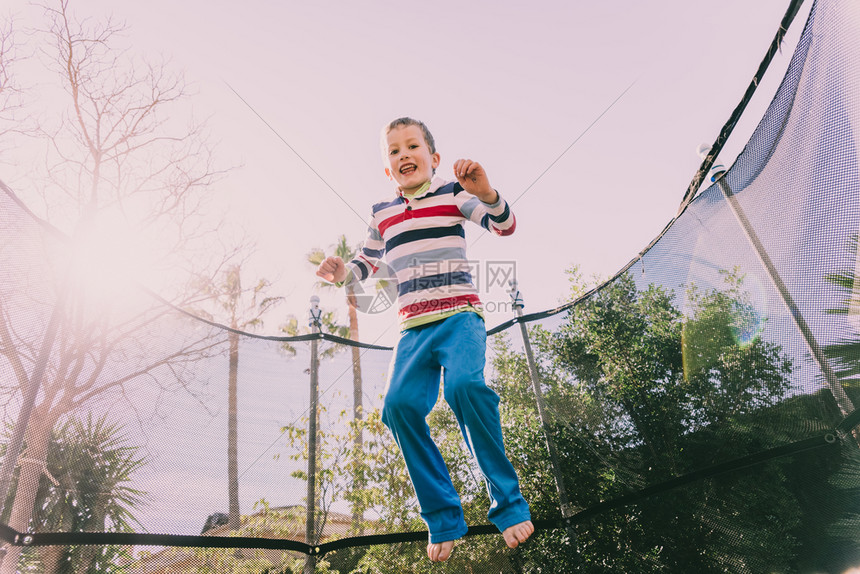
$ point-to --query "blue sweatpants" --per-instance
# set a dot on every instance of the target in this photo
(457, 347)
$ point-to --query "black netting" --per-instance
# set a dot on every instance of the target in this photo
(700, 404)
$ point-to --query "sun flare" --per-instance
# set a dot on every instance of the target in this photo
(110, 260)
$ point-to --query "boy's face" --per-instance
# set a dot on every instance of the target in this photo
(410, 162)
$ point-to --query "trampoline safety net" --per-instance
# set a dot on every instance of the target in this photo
(697, 411)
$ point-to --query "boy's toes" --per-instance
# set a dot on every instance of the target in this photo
(439, 552)
(518, 533)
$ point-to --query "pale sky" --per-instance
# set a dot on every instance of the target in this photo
(509, 84)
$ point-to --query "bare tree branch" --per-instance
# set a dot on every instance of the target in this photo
(11, 94)
(117, 146)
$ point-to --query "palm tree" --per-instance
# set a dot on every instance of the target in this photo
(845, 353)
(243, 313)
(91, 462)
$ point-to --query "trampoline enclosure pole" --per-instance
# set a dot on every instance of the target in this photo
(566, 510)
(310, 521)
(842, 400)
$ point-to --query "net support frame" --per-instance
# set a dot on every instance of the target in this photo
(564, 501)
(846, 407)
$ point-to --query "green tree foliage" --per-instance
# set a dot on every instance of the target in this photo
(729, 379)
(832, 514)
(85, 488)
(642, 393)
(386, 499)
(845, 354)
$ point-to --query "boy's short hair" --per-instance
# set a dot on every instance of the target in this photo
(403, 122)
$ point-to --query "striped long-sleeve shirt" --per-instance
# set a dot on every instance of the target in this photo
(423, 242)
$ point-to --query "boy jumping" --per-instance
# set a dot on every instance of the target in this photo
(420, 233)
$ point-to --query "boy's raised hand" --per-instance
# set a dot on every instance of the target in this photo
(332, 269)
(473, 178)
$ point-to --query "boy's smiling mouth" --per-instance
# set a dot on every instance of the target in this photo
(408, 168)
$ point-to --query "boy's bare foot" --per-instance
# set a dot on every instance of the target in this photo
(439, 552)
(518, 533)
